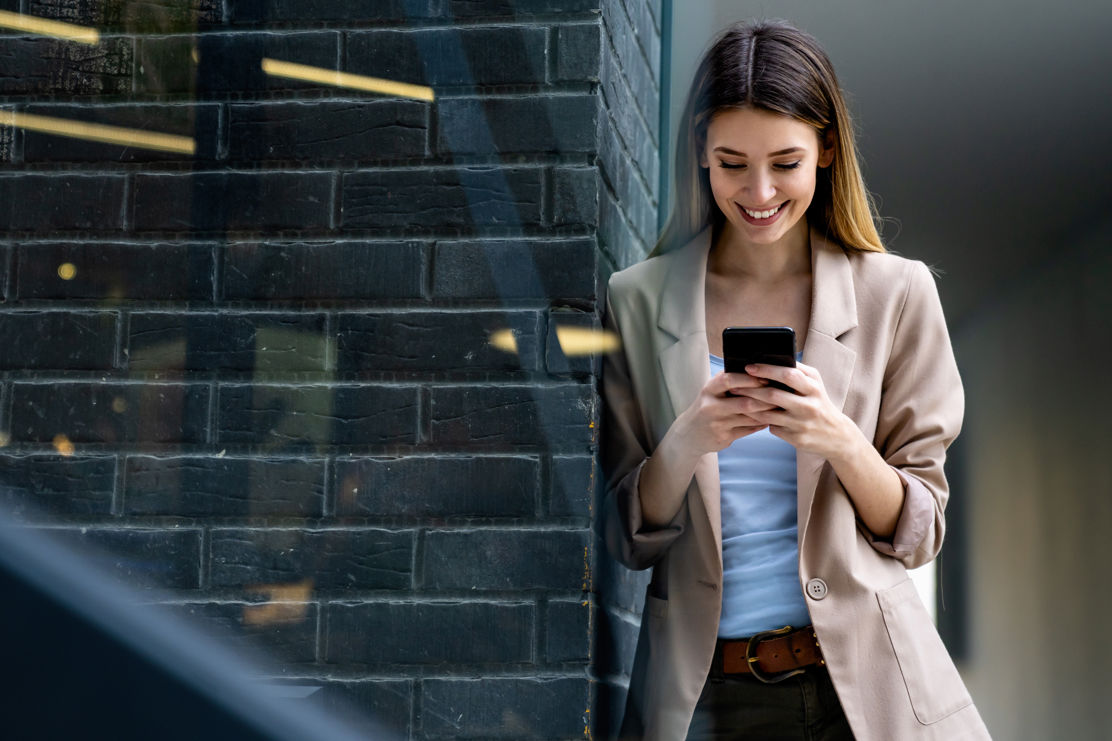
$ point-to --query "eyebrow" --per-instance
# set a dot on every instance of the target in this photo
(777, 153)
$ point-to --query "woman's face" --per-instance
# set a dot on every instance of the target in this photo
(762, 169)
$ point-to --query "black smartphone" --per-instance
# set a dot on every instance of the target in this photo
(771, 345)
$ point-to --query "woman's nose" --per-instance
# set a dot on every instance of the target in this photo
(761, 189)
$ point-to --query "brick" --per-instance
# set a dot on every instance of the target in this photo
(230, 62)
(394, 634)
(616, 237)
(455, 56)
(198, 122)
(400, 11)
(375, 707)
(334, 560)
(462, 199)
(58, 340)
(141, 557)
(645, 21)
(115, 271)
(556, 124)
(568, 638)
(290, 637)
(624, 112)
(519, 268)
(42, 203)
(636, 70)
(577, 52)
(579, 359)
(505, 707)
(437, 486)
(504, 559)
(262, 343)
(210, 486)
(481, 416)
(572, 486)
(324, 270)
(46, 66)
(52, 486)
(7, 144)
(320, 130)
(421, 341)
(274, 414)
(254, 12)
(575, 195)
(233, 201)
(151, 16)
(92, 412)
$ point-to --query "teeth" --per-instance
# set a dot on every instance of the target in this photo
(762, 214)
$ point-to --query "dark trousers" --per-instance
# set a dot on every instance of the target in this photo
(800, 708)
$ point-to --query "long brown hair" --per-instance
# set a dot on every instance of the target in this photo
(772, 66)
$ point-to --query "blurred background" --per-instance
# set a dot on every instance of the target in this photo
(300, 329)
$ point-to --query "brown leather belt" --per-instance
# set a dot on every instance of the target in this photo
(771, 656)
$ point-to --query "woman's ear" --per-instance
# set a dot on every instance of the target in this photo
(826, 152)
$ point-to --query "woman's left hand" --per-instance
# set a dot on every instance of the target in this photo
(807, 419)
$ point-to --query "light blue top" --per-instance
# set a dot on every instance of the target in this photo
(760, 535)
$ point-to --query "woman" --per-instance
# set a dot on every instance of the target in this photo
(757, 507)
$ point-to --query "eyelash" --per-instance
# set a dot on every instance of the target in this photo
(789, 166)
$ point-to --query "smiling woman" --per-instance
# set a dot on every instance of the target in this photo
(780, 523)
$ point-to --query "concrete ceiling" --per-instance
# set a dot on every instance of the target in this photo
(985, 127)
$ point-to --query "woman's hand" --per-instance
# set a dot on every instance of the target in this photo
(721, 413)
(807, 419)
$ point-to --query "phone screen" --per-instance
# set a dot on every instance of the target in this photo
(770, 345)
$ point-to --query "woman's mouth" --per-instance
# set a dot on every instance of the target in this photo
(762, 217)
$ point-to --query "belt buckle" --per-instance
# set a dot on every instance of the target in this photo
(753, 662)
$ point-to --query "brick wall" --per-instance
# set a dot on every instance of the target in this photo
(262, 371)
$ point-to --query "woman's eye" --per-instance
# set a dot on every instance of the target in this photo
(730, 166)
(787, 165)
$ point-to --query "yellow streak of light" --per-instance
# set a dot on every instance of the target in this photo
(63, 445)
(5, 438)
(504, 340)
(586, 341)
(44, 27)
(288, 603)
(67, 271)
(278, 68)
(99, 132)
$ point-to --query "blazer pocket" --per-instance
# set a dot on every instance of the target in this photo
(656, 607)
(933, 683)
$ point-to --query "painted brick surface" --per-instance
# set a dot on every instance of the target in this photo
(308, 379)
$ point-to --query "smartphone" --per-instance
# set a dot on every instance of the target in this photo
(770, 345)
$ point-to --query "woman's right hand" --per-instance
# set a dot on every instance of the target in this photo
(712, 421)
(716, 417)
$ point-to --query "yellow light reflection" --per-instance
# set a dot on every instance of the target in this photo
(119, 405)
(67, 271)
(320, 75)
(63, 445)
(576, 341)
(287, 603)
(99, 132)
(504, 340)
(44, 27)
(5, 438)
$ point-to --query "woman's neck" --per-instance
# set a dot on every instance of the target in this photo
(733, 257)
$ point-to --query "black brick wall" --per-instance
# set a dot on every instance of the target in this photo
(264, 369)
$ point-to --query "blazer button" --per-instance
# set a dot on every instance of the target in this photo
(816, 589)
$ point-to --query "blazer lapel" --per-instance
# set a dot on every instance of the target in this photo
(685, 358)
(833, 313)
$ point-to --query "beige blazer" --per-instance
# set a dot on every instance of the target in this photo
(879, 339)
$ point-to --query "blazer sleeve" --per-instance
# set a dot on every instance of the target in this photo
(624, 449)
(921, 410)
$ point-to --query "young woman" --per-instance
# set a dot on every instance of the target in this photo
(760, 508)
